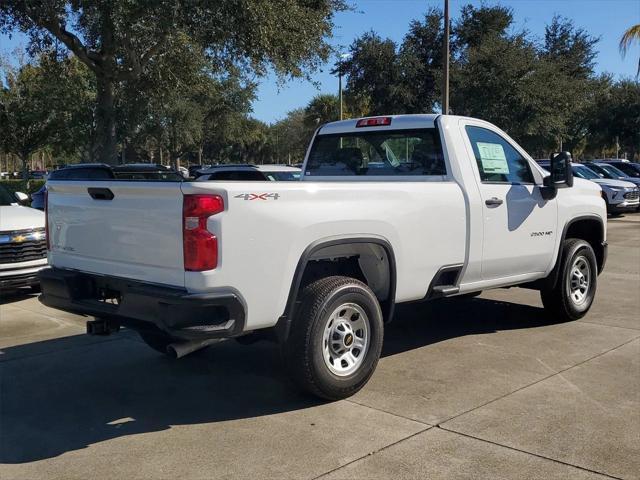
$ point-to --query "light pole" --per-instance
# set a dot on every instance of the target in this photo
(445, 61)
(343, 56)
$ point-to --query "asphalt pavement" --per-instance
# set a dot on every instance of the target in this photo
(487, 387)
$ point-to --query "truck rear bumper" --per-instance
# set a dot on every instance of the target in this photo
(140, 305)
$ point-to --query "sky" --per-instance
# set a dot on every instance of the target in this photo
(605, 19)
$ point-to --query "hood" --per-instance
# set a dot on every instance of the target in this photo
(635, 181)
(16, 217)
(608, 182)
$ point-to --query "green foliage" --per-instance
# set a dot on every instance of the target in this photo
(25, 116)
(320, 110)
(374, 72)
(120, 42)
(616, 114)
(420, 60)
(543, 95)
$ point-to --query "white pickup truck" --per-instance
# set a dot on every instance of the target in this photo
(389, 209)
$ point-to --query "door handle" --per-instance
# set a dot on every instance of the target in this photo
(100, 193)
(493, 201)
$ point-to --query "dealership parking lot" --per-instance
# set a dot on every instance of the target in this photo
(485, 387)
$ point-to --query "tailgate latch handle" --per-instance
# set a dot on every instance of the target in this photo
(100, 193)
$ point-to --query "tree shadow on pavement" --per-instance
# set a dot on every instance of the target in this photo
(83, 393)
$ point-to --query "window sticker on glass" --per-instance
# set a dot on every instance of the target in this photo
(493, 158)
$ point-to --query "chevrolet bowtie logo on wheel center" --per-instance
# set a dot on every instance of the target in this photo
(348, 340)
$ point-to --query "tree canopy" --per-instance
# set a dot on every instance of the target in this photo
(120, 41)
(181, 90)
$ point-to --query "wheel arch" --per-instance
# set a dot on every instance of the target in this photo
(379, 273)
(589, 228)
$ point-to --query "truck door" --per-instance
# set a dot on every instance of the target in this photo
(520, 227)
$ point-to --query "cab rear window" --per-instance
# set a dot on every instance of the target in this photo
(380, 153)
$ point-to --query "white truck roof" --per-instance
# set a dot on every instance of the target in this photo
(397, 122)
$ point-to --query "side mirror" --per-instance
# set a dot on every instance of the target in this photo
(22, 198)
(561, 173)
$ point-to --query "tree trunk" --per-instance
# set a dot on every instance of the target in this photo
(105, 122)
(24, 166)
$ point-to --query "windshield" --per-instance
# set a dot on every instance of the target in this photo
(632, 170)
(6, 198)
(377, 153)
(599, 170)
(581, 171)
(613, 171)
(283, 176)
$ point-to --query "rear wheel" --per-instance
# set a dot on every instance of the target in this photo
(336, 338)
(575, 289)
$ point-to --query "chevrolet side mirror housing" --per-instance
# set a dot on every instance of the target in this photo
(561, 173)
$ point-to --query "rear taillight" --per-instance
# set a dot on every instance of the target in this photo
(373, 122)
(46, 218)
(200, 246)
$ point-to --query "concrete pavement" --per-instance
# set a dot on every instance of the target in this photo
(483, 388)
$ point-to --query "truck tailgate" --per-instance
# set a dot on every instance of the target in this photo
(136, 234)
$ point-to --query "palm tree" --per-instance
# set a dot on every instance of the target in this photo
(633, 33)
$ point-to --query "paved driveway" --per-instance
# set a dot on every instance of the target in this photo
(483, 388)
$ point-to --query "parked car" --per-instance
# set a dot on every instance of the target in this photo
(146, 172)
(280, 173)
(37, 174)
(629, 168)
(194, 170)
(81, 171)
(620, 196)
(609, 171)
(455, 206)
(102, 171)
(23, 248)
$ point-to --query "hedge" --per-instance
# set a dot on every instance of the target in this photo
(25, 186)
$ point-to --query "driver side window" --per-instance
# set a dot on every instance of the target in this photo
(498, 161)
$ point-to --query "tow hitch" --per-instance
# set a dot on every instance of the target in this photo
(102, 326)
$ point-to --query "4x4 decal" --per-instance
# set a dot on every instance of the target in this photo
(258, 196)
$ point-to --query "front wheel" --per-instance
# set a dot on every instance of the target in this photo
(575, 289)
(336, 338)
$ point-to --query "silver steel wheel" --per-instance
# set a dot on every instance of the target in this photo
(345, 339)
(579, 280)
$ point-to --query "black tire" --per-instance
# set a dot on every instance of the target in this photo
(35, 288)
(159, 341)
(558, 300)
(304, 349)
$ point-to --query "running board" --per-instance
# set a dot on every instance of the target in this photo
(445, 282)
(444, 291)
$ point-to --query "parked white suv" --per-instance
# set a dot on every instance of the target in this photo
(389, 209)
(23, 250)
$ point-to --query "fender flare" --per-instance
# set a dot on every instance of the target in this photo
(551, 279)
(283, 325)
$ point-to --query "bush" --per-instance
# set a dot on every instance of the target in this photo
(26, 186)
